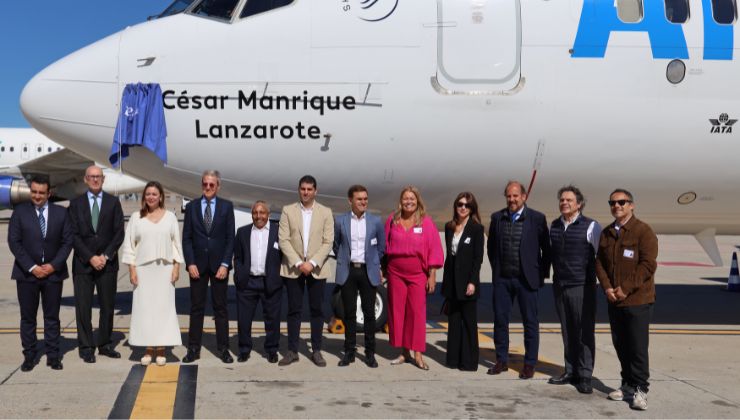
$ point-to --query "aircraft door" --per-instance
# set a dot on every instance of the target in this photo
(478, 46)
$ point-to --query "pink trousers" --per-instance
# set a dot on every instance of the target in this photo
(407, 312)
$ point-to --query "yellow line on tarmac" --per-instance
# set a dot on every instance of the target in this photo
(156, 398)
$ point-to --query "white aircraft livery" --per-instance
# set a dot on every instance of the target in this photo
(448, 95)
(25, 152)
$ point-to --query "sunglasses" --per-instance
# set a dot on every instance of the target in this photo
(209, 185)
(620, 202)
(463, 205)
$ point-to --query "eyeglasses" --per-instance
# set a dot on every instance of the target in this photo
(620, 202)
(95, 177)
(462, 205)
(209, 185)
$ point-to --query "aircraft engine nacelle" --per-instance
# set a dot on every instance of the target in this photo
(13, 191)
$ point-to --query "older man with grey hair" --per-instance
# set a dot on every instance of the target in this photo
(208, 245)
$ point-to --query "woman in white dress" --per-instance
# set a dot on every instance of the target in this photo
(153, 252)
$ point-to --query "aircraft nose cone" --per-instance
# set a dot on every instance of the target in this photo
(76, 96)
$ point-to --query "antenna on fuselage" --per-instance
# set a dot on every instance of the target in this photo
(537, 164)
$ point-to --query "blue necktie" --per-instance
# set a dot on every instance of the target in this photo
(513, 218)
(208, 217)
(42, 222)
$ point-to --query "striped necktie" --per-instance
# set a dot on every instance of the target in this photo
(42, 222)
(208, 217)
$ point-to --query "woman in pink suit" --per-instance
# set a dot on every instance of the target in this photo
(414, 253)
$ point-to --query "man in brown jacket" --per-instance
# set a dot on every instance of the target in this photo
(625, 266)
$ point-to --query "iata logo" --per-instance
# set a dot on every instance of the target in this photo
(723, 125)
(370, 10)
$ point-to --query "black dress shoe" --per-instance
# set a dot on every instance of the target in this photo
(87, 357)
(243, 357)
(272, 357)
(370, 360)
(527, 372)
(191, 356)
(226, 357)
(55, 363)
(564, 379)
(349, 357)
(105, 351)
(28, 364)
(498, 368)
(584, 386)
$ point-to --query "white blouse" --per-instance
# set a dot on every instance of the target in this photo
(147, 241)
(456, 241)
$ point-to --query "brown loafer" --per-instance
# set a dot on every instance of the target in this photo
(527, 372)
(498, 368)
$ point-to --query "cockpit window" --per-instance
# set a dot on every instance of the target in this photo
(176, 7)
(254, 7)
(217, 9)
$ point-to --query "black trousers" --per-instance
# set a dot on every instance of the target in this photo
(504, 292)
(246, 306)
(198, 294)
(85, 285)
(357, 280)
(630, 327)
(50, 294)
(576, 308)
(295, 288)
(462, 334)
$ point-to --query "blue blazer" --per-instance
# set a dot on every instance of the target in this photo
(374, 247)
(28, 245)
(208, 250)
(243, 259)
(534, 250)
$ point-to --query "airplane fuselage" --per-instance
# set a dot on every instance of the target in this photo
(446, 95)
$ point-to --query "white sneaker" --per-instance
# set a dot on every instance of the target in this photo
(146, 360)
(161, 360)
(619, 395)
(639, 402)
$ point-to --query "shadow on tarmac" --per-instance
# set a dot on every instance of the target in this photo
(718, 307)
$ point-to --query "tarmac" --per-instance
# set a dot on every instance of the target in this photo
(695, 338)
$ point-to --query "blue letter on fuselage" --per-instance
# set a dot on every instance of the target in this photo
(599, 19)
(718, 39)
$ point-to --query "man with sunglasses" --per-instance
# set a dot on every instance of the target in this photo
(208, 245)
(625, 266)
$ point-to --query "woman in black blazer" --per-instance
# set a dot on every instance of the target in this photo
(461, 281)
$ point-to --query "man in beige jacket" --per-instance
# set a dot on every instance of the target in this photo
(306, 237)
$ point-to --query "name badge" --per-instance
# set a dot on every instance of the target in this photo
(276, 246)
(417, 230)
(628, 253)
(467, 240)
(374, 241)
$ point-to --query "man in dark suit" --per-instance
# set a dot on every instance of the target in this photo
(97, 219)
(519, 253)
(40, 237)
(359, 245)
(257, 279)
(208, 245)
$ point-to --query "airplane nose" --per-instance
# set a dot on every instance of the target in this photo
(76, 97)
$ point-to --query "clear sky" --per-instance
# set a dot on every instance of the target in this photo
(35, 33)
